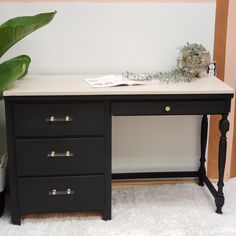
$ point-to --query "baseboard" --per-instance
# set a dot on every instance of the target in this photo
(144, 182)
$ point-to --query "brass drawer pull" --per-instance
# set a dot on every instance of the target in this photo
(55, 192)
(58, 119)
(167, 109)
(66, 154)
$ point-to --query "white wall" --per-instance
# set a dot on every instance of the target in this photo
(100, 38)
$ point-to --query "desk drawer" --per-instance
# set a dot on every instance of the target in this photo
(61, 194)
(168, 108)
(59, 119)
(38, 157)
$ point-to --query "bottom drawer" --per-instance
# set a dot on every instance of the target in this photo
(61, 194)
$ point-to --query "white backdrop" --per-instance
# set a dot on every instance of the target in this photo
(100, 38)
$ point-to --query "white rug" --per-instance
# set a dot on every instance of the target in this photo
(163, 210)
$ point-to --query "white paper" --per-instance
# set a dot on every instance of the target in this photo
(113, 80)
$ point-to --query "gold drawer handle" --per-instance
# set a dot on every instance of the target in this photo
(55, 192)
(167, 109)
(66, 154)
(67, 119)
(52, 119)
(52, 154)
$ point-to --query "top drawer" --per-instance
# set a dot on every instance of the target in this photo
(169, 108)
(59, 119)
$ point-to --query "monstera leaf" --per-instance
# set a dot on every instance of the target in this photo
(12, 70)
(17, 28)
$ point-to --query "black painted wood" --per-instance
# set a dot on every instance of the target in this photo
(35, 194)
(34, 156)
(2, 202)
(13, 187)
(34, 119)
(121, 98)
(28, 128)
(210, 186)
(160, 108)
(108, 161)
(202, 169)
(224, 128)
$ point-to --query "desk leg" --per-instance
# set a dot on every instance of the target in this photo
(108, 175)
(202, 169)
(224, 128)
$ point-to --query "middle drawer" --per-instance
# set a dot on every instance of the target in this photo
(70, 156)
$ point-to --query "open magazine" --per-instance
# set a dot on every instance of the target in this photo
(113, 80)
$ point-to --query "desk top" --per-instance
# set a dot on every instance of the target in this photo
(54, 85)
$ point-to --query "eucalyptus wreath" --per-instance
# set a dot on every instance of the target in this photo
(192, 62)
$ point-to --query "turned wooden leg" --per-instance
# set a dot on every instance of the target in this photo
(224, 128)
(15, 219)
(202, 169)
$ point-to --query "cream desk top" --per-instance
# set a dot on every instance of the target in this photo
(53, 85)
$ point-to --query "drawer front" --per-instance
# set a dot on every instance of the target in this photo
(61, 194)
(72, 156)
(168, 108)
(59, 119)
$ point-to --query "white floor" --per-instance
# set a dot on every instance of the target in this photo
(164, 210)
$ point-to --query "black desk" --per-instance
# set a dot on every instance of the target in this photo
(59, 139)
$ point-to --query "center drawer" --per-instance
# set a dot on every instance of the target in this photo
(168, 108)
(61, 194)
(71, 156)
(52, 120)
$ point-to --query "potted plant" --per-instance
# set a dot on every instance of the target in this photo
(11, 70)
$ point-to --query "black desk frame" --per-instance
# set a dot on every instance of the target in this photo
(134, 105)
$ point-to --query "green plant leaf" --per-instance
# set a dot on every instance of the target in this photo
(17, 28)
(12, 70)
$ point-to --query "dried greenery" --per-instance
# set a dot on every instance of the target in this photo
(192, 62)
